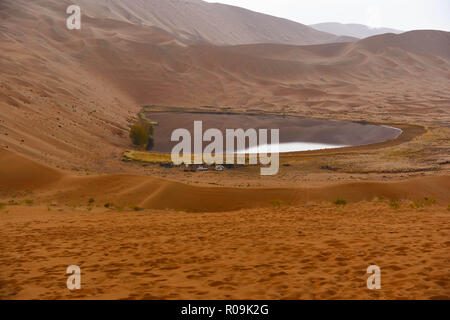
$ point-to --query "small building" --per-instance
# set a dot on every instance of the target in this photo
(167, 165)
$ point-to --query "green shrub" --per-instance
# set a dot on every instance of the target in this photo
(141, 134)
(395, 204)
(277, 203)
(421, 204)
(108, 205)
(150, 144)
(2, 205)
(429, 201)
(417, 205)
(340, 202)
(91, 201)
(29, 202)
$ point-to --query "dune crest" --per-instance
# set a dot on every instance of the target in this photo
(154, 193)
(84, 86)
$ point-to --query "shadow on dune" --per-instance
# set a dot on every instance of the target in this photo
(19, 174)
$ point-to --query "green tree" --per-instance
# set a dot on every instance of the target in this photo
(139, 134)
(150, 144)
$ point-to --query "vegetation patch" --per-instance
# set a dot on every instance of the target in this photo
(141, 134)
(407, 152)
(340, 202)
(146, 157)
(422, 204)
(278, 203)
(395, 204)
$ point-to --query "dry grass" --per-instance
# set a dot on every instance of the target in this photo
(424, 153)
(156, 158)
(147, 157)
(340, 202)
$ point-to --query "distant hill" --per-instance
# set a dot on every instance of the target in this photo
(352, 29)
(200, 21)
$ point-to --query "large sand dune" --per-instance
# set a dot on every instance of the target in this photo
(316, 251)
(67, 99)
(352, 29)
(309, 249)
(78, 90)
(302, 246)
(50, 185)
(188, 21)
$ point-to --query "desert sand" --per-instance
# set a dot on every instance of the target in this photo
(79, 91)
(316, 251)
(269, 244)
(352, 29)
(142, 231)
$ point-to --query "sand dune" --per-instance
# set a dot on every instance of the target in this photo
(147, 192)
(316, 251)
(281, 243)
(426, 42)
(190, 21)
(352, 29)
(18, 173)
(79, 90)
(67, 99)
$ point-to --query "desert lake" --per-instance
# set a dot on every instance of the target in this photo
(296, 133)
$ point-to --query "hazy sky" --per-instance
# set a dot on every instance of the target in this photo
(398, 14)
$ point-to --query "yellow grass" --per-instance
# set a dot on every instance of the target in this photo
(147, 157)
(155, 157)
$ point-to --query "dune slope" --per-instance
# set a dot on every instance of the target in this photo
(148, 192)
(352, 29)
(79, 90)
(190, 20)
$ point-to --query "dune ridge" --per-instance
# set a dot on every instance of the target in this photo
(191, 21)
(80, 90)
(68, 98)
(352, 29)
(154, 193)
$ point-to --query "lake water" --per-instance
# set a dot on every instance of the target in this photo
(296, 133)
(289, 147)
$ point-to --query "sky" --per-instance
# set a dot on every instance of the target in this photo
(403, 15)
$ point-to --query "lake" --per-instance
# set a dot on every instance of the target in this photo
(296, 133)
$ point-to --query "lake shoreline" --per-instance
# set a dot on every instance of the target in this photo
(311, 132)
